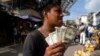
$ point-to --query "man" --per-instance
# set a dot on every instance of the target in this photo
(90, 31)
(82, 33)
(82, 37)
(35, 44)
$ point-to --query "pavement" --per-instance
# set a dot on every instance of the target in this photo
(13, 50)
(16, 50)
(70, 50)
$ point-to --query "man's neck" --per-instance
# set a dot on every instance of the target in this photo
(46, 29)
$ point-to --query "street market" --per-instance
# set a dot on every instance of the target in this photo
(49, 28)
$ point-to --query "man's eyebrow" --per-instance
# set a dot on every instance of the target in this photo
(59, 10)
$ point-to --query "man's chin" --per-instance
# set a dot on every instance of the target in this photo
(58, 25)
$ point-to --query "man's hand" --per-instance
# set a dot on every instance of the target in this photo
(55, 49)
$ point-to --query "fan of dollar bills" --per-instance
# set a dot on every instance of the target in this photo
(61, 34)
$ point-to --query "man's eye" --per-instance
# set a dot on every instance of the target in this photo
(58, 11)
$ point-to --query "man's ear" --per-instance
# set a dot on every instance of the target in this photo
(44, 13)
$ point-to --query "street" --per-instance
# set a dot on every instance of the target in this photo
(16, 50)
(71, 49)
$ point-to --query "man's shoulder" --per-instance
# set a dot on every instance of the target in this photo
(34, 34)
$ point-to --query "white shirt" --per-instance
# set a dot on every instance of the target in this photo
(90, 29)
(81, 27)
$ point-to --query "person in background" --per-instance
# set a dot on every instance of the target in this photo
(35, 43)
(90, 31)
(82, 36)
(82, 33)
(82, 26)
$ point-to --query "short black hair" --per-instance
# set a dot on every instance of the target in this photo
(40, 6)
(48, 8)
(45, 5)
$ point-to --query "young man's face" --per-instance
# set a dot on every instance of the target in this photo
(54, 17)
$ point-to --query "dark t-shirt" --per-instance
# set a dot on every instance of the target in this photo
(34, 44)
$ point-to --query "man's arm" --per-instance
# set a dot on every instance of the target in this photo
(28, 47)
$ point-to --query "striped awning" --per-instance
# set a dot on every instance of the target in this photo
(30, 12)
